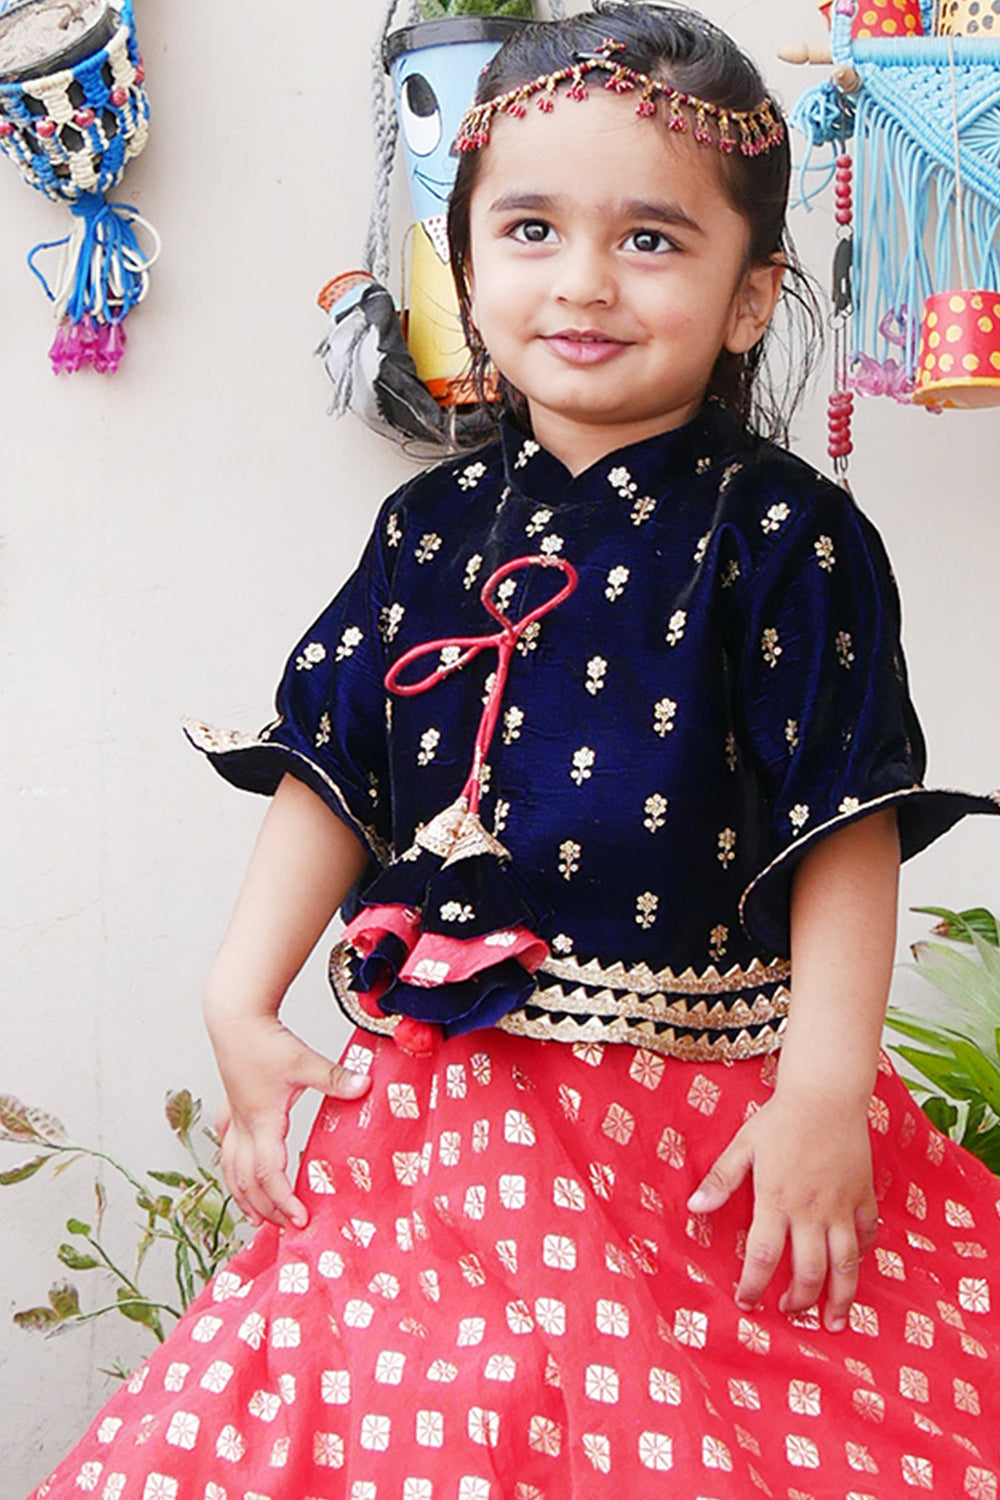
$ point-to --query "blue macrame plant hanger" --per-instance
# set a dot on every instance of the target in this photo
(71, 133)
(921, 118)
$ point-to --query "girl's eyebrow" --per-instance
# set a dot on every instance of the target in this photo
(650, 211)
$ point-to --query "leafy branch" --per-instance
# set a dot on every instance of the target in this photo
(433, 10)
(958, 1065)
(188, 1212)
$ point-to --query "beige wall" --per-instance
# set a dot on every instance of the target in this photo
(167, 533)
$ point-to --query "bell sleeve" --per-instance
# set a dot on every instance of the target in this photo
(823, 707)
(330, 729)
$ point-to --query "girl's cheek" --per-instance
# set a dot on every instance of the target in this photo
(675, 322)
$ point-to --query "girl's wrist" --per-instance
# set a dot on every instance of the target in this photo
(227, 1000)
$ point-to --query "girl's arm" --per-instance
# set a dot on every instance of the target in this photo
(808, 1146)
(303, 865)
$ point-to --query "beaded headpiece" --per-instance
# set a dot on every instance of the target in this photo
(749, 131)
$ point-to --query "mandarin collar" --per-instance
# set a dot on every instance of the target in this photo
(651, 464)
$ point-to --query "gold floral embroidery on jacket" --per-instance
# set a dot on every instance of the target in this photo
(617, 579)
(472, 569)
(429, 741)
(538, 522)
(471, 475)
(583, 760)
(597, 669)
(675, 627)
(349, 642)
(642, 509)
(718, 938)
(664, 713)
(310, 657)
(845, 645)
(770, 647)
(646, 908)
(798, 816)
(512, 720)
(825, 555)
(775, 516)
(389, 620)
(569, 858)
(727, 847)
(429, 543)
(655, 808)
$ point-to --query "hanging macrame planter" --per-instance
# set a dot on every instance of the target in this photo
(404, 369)
(73, 113)
(913, 114)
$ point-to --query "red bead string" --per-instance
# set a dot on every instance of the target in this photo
(840, 406)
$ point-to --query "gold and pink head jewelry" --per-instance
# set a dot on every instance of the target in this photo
(748, 131)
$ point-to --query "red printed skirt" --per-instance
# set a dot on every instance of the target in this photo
(501, 1296)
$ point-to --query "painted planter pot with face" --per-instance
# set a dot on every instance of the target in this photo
(434, 66)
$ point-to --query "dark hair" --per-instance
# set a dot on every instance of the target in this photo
(688, 51)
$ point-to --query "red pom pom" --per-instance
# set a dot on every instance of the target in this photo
(418, 1038)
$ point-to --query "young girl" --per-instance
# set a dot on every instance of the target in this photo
(609, 740)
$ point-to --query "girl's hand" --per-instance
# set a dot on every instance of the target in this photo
(812, 1179)
(265, 1068)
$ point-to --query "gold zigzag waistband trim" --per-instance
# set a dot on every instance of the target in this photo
(638, 1014)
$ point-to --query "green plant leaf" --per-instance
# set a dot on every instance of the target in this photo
(172, 1179)
(75, 1260)
(920, 1031)
(138, 1310)
(986, 1145)
(65, 1299)
(989, 957)
(941, 1113)
(942, 1073)
(23, 1171)
(77, 1226)
(183, 1112)
(36, 1319)
(20, 1122)
(981, 1073)
(961, 925)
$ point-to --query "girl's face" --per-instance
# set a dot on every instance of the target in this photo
(608, 272)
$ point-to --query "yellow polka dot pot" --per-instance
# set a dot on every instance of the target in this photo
(959, 359)
(898, 18)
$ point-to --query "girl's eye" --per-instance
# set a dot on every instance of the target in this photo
(532, 231)
(649, 241)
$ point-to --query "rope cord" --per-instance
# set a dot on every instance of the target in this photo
(385, 129)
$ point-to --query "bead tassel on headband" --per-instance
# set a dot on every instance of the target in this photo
(749, 132)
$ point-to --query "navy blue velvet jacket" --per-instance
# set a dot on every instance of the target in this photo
(725, 687)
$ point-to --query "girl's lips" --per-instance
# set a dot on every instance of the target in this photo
(584, 347)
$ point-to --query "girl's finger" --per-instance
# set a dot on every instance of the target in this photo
(271, 1192)
(842, 1284)
(723, 1178)
(313, 1071)
(765, 1244)
(809, 1268)
(223, 1118)
(239, 1179)
(866, 1222)
(256, 1172)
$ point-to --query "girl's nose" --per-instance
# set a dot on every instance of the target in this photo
(584, 276)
